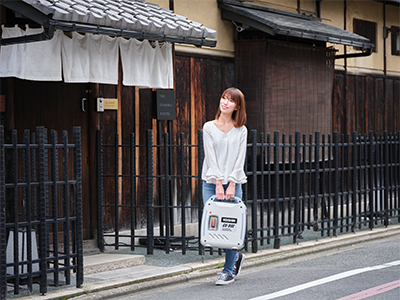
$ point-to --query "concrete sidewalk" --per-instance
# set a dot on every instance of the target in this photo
(111, 274)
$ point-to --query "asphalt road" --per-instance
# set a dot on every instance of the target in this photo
(370, 269)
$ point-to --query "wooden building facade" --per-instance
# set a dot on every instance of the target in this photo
(364, 103)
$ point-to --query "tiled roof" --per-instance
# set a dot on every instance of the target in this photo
(277, 22)
(130, 15)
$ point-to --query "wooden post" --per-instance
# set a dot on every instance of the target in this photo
(119, 130)
(94, 125)
(137, 127)
(192, 122)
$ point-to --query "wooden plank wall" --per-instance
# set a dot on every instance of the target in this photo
(109, 127)
(199, 82)
(370, 103)
(56, 106)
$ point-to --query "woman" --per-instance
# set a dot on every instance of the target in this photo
(225, 142)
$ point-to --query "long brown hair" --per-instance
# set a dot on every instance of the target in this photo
(239, 115)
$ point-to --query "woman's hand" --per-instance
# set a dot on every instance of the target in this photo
(219, 190)
(230, 191)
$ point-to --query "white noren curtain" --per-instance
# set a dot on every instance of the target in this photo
(87, 58)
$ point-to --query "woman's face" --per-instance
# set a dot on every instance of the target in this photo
(227, 105)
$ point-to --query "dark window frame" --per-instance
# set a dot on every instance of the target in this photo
(366, 29)
(395, 34)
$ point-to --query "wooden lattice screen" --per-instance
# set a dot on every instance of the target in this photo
(298, 88)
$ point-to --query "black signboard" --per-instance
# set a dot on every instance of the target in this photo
(165, 105)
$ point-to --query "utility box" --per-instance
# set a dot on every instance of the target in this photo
(100, 104)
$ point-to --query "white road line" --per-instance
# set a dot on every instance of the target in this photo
(325, 280)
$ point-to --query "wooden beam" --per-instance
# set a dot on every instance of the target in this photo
(94, 125)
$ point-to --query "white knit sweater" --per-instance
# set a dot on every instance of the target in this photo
(224, 154)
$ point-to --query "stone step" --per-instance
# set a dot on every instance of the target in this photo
(110, 261)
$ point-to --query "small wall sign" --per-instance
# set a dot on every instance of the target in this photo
(165, 105)
(110, 104)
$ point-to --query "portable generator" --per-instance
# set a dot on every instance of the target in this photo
(223, 223)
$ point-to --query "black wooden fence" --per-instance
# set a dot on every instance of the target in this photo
(40, 211)
(295, 182)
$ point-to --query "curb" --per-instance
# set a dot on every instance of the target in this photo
(183, 273)
(104, 262)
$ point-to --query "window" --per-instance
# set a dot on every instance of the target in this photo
(395, 32)
(366, 29)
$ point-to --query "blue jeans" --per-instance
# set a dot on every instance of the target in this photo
(230, 255)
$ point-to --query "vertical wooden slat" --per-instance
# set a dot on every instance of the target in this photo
(14, 176)
(117, 194)
(371, 103)
(42, 209)
(94, 125)
(338, 104)
(132, 196)
(127, 127)
(145, 123)
(182, 125)
(354, 195)
(360, 103)
(254, 204)
(197, 116)
(77, 140)
(119, 131)
(200, 158)
(323, 202)
(371, 179)
(54, 194)
(149, 192)
(380, 106)
(390, 108)
(137, 150)
(336, 181)
(297, 187)
(66, 209)
(183, 191)
(276, 192)
(316, 176)
(193, 96)
(351, 107)
(27, 203)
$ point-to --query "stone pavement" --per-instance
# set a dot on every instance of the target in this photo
(110, 274)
